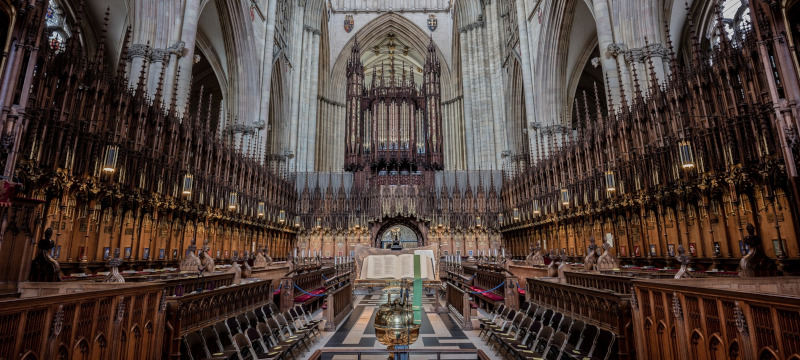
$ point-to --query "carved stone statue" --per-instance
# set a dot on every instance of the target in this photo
(237, 279)
(683, 258)
(206, 261)
(552, 271)
(607, 261)
(562, 264)
(290, 262)
(114, 263)
(756, 262)
(43, 267)
(260, 261)
(247, 271)
(191, 262)
(536, 257)
(590, 260)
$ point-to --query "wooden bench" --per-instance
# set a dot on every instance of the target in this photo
(313, 285)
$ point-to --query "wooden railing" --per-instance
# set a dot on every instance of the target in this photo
(486, 280)
(340, 304)
(712, 318)
(308, 281)
(189, 284)
(192, 312)
(604, 309)
(617, 284)
(123, 321)
(459, 305)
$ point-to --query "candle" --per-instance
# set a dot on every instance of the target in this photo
(495, 252)
(504, 252)
(295, 253)
(304, 253)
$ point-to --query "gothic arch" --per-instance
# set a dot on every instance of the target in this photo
(421, 240)
(516, 111)
(716, 347)
(374, 31)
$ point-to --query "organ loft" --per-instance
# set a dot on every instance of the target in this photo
(405, 179)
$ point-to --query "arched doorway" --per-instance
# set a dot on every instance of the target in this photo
(409, 235)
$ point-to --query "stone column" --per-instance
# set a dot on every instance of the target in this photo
(266, 72)
(527, 83)
(297, 64)
(499, 118)
(312, 96)
(185, 63)
(469, 110)
(605, 40)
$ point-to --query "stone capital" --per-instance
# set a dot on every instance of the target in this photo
(137, 51)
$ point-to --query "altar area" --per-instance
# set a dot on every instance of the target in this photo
(437, 332)
(368, 286)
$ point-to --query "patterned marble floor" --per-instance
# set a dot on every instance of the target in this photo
(437, 331)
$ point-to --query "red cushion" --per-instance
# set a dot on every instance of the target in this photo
(473, 305)
(493, 296)
(522, 292)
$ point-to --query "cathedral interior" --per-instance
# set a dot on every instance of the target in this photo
(411, 179)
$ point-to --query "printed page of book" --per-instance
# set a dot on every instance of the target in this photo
(405, 266)
(427, 258)
(376, 267)
(389, 266)
(427, 269)
(428, 253)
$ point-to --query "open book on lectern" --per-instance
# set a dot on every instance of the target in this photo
(396, 267)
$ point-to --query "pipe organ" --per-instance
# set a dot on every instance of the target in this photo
(394, 125)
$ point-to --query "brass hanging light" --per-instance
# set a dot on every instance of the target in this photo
(232, 201)
(611, 181)
(565, 197)
(261, 209)
(282, 216)
(110, 158)
(686, 154)
(188, 182)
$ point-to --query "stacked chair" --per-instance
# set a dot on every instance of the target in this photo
(536, 332)
(261, 333)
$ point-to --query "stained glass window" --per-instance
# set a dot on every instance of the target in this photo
(56, 25)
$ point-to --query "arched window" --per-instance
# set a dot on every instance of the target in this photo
(735, 17)
(56, 26)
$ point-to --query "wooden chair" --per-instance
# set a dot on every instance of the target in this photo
(575, 332)
(566, 324)
(555, 321)
(286, 335)
(233, 326)
(506, 315)
(224, 334)
(537, 346)
(519, 333)
(244, 322)
(305, 324)
(212, 342)
(585, 344)
(513, 346)
(494, 336)
(193, 348)
(492, 315)
(243, 347)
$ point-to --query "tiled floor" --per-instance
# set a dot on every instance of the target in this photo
(438, 331)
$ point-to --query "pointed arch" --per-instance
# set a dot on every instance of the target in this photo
(406, 31)
(716, 347)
